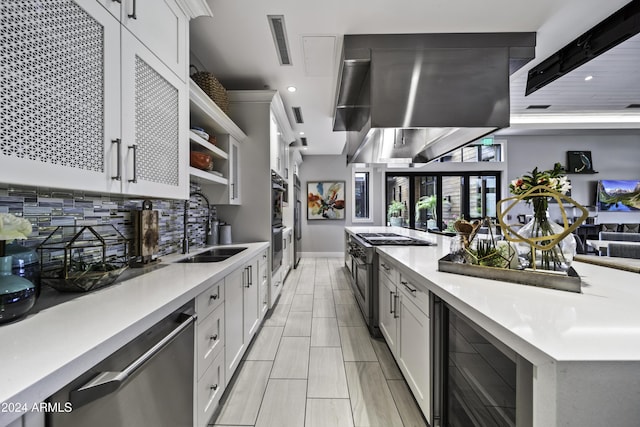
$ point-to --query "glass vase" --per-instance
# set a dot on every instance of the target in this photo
(17, 294)
(557, 258)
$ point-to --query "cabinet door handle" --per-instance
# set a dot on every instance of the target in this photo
(409, 288)
(391, 302)
(135, 161)
(395, 306)
(233, 191)
(214, 297)
(118, 142)
(213, 337)
(250, 275)
(214, 387)
(385, 267)
(117, 1)
(133, 15)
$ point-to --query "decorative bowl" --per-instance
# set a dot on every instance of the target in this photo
(201, 160)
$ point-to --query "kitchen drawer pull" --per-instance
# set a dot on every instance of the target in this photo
(213, 337)
(391, 302)
(135, 162)
(118, 176)
(409, 288)
(117, 1)
(395, 306)
(109, 381)
(214, 387)
(385, 267)
(133, 15)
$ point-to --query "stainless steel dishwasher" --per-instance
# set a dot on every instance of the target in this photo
(148, 382)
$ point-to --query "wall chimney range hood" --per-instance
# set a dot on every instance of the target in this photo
(413, 97)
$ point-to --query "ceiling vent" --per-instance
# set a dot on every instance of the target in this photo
(279, 33)
(538, 107)
(297, 114)
(633, 106)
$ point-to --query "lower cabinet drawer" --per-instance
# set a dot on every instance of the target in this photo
(207, 301)
(210, 339)
(209, 389)
(419, 297)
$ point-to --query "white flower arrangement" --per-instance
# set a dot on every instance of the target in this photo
(12, 228)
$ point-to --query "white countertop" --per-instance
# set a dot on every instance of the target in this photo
(46, 350)
(600, 324)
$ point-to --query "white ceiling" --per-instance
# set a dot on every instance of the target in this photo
(236, 45)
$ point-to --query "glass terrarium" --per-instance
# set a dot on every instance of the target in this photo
(79, 258)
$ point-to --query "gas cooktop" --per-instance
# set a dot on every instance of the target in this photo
(392, 239)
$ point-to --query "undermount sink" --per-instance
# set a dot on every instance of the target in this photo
(213, 255)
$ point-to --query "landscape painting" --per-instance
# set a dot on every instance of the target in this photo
(619, 195)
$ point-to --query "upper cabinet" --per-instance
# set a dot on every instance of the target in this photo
(281, 135)
(91, 105)
(154, 125)
(222, 184)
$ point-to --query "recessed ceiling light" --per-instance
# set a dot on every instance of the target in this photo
(301, 133)
(588, 78)
(291, 88)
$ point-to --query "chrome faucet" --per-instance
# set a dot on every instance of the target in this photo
(185, 239)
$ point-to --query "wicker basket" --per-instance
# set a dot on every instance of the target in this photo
(212, 87)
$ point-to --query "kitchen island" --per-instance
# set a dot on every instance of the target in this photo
(46, 350)
(584, 348)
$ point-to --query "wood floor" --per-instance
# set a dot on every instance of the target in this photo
(314, 364)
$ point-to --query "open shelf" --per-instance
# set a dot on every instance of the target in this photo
(205, 177)
(209, 147)
(206, 114)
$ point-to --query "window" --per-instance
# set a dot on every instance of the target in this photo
(361, 195)
(434, 201)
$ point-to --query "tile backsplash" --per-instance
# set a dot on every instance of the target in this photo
(47, 209)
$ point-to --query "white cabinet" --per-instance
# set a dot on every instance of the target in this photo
(154, 121)
(263, 278)
(404, 324)
(252, 307)
(287, 252)
(63, 97)
(97, 109)
(413, 353)
(388, 296)
(280, 137)
(242, 317)
(223, 185)
(209, 350)
(159, 24)
(235, 343)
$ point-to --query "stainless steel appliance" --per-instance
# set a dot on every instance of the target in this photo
(297, 223)
(456, 87)
(364, 272)
(276, 247)
(148, 382)
(478, 380)
(277, 198)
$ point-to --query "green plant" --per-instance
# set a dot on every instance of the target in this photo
(395, 209)
(427, 203)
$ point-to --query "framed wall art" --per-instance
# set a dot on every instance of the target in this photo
(579, 162)
(325, 200)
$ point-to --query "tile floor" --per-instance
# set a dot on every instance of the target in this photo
(314, 364)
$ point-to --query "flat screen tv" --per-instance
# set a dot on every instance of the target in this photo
(619, 195)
